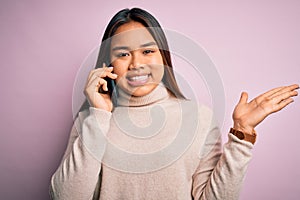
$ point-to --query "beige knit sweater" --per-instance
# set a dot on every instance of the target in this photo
(151, 147)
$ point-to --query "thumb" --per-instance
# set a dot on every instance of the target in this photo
(244, 98)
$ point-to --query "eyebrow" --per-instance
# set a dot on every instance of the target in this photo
(149, 44)
(127, 48)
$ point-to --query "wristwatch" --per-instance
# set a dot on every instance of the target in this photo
(244, 136)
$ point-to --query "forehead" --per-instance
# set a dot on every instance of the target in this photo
(132, 34)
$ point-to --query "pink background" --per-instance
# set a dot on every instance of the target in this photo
(255, 46)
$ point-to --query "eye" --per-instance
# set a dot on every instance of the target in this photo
(148, 51)
(122, 54)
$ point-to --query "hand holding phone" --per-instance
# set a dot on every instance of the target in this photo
(99, 88)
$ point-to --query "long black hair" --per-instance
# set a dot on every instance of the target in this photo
(145, 18)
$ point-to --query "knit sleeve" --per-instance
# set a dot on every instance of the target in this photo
(78, 173)
(220, 175)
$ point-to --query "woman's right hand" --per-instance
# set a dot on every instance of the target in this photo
(96, 81)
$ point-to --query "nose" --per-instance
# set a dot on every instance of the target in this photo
(136, 61)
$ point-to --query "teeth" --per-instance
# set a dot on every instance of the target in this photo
(138, 78)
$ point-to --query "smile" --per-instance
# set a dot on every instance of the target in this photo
(138, 80)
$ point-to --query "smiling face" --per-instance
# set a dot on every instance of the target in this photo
(136, 59)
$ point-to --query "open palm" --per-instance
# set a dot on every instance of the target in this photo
(247, 116)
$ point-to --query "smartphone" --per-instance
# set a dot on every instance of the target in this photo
(110, 85)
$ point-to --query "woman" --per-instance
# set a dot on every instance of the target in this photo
(141, 139)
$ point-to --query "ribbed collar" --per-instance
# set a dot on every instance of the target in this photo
(160, 93)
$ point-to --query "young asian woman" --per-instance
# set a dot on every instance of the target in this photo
(124, 142)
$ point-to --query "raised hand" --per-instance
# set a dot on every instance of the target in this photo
(247, 116)
(96, 81)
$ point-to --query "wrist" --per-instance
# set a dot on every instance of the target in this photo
(244, 135)
(245, 129)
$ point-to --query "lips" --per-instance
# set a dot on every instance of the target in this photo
(138, 80)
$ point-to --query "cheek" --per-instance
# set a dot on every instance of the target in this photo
(158, 68)
(158, 72)
(119, 72)
(120, 68)
(121, 76)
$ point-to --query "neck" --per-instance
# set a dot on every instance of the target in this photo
(160, 93)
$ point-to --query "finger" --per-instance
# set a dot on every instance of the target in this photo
(285, 89)
(96, 82)
(92, 72)
(294, 86)
(271, 93)
(109, 75)
(101, 74)
(283, 104)
(104, 85)
(101, 84)
(284, 96)
(100, 71)
(112, 75)
(244, 98)
(261, 97)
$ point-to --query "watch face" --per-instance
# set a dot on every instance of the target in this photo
(240, 135)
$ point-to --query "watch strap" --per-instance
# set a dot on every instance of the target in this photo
(244, 136)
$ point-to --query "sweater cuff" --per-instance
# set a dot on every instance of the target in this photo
(233, 139)
(102, 118)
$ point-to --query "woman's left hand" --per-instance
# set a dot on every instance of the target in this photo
(247, 116)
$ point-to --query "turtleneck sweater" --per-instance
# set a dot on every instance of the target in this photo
(150, 147)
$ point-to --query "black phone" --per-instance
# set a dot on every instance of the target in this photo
(112, 91)
(110, 85)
